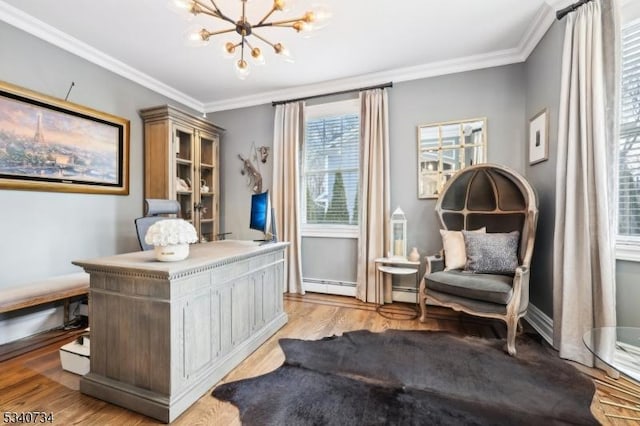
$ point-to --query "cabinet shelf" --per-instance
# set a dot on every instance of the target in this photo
(206, 166)
(184, 162)
(206, 220)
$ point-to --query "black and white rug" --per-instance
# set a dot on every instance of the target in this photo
(413, 378)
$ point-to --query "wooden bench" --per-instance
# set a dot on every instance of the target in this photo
(63, 287)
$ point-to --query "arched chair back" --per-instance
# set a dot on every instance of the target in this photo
(494, 197)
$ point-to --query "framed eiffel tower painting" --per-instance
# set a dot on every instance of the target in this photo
(49, 144)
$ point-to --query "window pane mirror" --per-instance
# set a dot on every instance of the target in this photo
(444, 148)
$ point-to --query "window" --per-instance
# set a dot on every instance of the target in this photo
(629, 144)
(330, 169)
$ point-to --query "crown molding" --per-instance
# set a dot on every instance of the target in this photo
(532, 36)
(433, 69)
(46, 32)
(537, 29)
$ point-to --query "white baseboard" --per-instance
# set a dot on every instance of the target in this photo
(329, 287)
(540, 322)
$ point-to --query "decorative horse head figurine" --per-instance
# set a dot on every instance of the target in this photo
(264, 153)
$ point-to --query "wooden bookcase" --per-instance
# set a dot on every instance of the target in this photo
(180, 148)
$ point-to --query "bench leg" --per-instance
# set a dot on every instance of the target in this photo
(66, 312)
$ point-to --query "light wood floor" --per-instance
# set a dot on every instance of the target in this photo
(36, 382)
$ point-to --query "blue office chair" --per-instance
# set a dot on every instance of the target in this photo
(156, 210)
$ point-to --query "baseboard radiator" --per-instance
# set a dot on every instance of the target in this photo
(319, 285)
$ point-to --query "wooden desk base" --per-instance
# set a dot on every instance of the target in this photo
(162, 334)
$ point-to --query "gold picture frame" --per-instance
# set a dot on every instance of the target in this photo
(48, 144)
(539, 137)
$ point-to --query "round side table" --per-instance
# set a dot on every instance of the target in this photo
(387, 266)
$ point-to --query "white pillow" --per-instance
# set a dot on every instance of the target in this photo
(455, 254)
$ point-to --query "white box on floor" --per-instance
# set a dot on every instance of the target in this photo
(74, 356)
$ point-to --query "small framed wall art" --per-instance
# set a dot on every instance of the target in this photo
(538, 137)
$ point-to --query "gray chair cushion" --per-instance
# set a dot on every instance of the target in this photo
(483, 287)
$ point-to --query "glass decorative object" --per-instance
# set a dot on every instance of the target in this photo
(398, 237)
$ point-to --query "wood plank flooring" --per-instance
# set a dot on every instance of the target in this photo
(35, 381)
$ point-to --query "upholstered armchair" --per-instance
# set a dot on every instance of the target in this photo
(493, 282)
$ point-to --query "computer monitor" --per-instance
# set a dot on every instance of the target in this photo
(262, 217)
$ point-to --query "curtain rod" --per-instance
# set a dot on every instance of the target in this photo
(563, 12)
(380, 86)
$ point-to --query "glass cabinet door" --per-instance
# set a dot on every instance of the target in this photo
(207, 188)
(184, 171)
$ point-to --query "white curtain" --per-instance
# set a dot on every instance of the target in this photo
(287, 142)
(585, 229)
(374, 182)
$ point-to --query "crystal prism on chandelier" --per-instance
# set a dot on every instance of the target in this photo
(311, 20)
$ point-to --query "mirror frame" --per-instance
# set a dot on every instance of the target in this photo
(439, 149)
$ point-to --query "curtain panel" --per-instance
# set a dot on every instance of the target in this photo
(584, 240)
(287, 144)
(374, 182)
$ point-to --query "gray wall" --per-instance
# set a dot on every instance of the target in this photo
(542, 78)
(42, 232)
(243, 128)
(495, 93)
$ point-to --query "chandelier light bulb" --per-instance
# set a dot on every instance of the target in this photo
(256, 54)
(197, 36)
(228, 49)
(283, 52)
(184, 7)
(319, 17)
(242, 69)
(282, 5)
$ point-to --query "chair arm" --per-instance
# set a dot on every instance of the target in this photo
(433, 263)
(521, 287)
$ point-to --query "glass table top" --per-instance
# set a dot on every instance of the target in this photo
(618, 347)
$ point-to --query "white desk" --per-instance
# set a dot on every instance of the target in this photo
(394, 266)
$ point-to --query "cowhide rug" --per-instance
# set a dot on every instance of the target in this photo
(413, 378)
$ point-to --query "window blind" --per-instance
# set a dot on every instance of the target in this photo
(629, 144)
(330, 183)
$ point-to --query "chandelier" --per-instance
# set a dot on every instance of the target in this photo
(310, 20)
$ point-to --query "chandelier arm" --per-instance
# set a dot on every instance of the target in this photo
(279, 23)
(213, 33)
(215, 11)
(264, 40)
(273, 9)
(242, 42)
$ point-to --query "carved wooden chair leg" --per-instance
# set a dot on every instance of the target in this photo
(422, 299)
(512, 325)
(423, 309)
